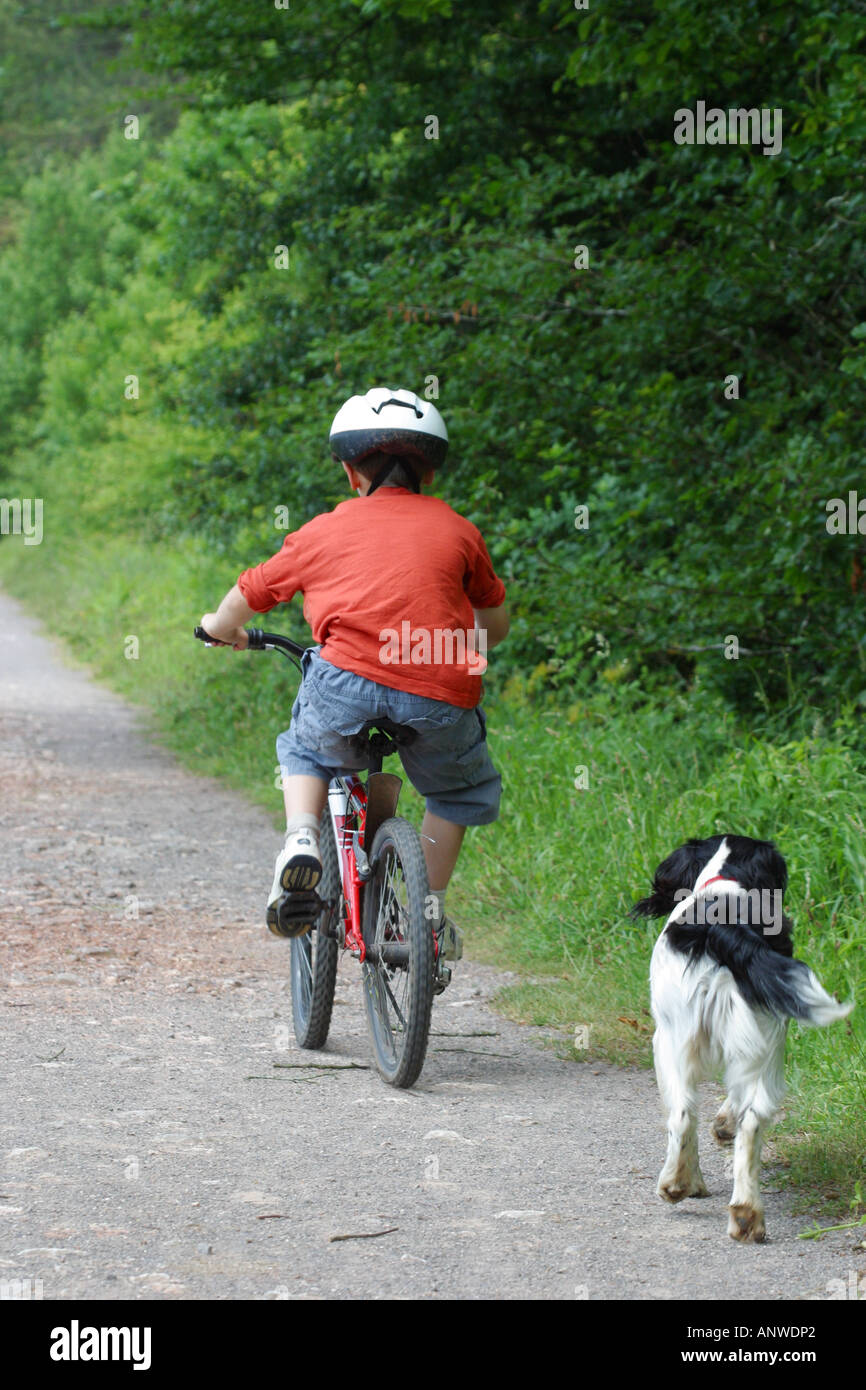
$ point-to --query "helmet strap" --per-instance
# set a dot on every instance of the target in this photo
(388, 467)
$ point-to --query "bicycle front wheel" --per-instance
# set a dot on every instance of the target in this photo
(398, 971)
(314, 956)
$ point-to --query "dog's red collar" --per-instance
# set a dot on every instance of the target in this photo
(718, 878)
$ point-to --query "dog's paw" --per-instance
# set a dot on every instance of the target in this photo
(723, 1129)
(746, 1223)
(680, 1186)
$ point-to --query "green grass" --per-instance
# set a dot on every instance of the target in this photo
(545, 891)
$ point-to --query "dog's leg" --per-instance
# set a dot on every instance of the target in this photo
(676, 1072)
(746, 1219)
(724, 1126)
(754, 1097)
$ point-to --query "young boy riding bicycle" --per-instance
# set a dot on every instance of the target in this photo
(403, 601)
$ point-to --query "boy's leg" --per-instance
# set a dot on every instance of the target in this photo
(441, 840)
(309, 753)
(299, 863)
(451, 768)
(305, 795)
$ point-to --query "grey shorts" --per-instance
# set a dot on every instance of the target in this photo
(448, 763)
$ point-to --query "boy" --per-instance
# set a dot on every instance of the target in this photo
(403, 601)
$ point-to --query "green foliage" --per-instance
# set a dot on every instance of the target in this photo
(62, 87)
(454, 258)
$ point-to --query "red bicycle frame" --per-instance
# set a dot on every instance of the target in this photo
(347, 805)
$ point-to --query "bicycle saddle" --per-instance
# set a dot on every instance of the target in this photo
(383, 735)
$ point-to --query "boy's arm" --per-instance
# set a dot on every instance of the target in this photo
(227, 623)
(494, 621)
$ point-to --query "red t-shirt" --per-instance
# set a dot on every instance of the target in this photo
(389, 584)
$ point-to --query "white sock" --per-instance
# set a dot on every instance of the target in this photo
(304, 821)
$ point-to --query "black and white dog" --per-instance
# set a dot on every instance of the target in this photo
(723, 986)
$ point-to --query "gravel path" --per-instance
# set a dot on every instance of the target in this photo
(157, 1142)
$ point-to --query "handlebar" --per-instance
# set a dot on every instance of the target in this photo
(258, 641)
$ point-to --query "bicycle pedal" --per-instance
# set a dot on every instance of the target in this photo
(442, 979)
(294, 914)
(450, 941)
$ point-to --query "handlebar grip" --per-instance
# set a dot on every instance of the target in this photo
(255, 639)
(203, 636)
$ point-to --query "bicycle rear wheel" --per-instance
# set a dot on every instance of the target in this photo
(398, 973)
(314, 956)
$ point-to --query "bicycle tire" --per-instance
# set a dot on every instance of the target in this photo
(398, 999)
(314, 955)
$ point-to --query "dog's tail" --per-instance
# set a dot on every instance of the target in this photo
(764, 977)
(820, 1007)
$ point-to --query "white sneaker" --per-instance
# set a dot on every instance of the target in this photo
(299, 864)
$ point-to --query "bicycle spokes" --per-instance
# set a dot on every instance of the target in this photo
(305, 970)
(314, 956)
(387, 982)
(398, 968)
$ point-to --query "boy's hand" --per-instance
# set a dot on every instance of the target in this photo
(226, 624)
(493, 621)
(235, 637)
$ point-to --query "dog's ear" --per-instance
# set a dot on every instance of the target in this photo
(677, 874)
(756, 863)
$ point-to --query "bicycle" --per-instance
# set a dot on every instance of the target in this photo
(371, 901)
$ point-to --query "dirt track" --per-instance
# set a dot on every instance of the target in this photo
(156, 1142)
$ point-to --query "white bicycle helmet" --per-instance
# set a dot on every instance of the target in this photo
(398, 423)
